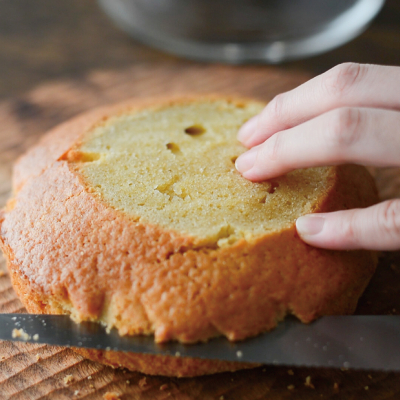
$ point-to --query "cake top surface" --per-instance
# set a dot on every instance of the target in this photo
(173, 166)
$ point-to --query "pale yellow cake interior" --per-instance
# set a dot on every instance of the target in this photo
(174, 166)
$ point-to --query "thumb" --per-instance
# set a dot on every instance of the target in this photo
(373, 228)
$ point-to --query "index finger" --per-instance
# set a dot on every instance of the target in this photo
(346, 85)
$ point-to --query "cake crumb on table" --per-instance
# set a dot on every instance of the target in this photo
(336, 386)
(128, 382)
(222, 398)
(290, 387)
(366, 387)
(68, 379)
(369, 376)
(35, 337)
(20, 333)
(38, 358)
(308, 383)
(290, 372)
(143, 382)
(164, 387)
(111, 396)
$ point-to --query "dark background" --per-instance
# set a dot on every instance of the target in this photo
(49, 39)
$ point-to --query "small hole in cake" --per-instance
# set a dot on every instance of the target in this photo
(263, 200)
(195, 130)
(273, 187)
(173, 148)
(233, 159)
(89, 157)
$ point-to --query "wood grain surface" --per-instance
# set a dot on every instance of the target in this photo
(30, 371)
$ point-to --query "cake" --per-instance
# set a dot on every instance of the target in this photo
(135, 216)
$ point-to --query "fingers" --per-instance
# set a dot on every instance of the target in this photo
(346, 135)
(374, 228)
(346, 85)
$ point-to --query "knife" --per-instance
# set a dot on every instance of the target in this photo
(359, 342)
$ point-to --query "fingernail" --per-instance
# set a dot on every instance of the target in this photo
(247, 129)
(309, 225)
(246, 160)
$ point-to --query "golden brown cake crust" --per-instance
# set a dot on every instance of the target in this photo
(67, 251)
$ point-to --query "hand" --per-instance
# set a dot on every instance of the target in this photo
(350, 114)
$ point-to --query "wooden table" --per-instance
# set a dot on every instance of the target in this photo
(58, 58)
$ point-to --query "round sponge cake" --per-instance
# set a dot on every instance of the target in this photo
(134, 216)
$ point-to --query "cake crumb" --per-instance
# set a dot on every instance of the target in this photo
(76, 392)
(239, 354)
(177, 354)
(128, 382)
(143, 382)
(2, 358)
(221, 398)
(20, 333)
(68, 379)
(335, 386)
(38, 358)
(111, 396)
(290, 387)
(290, 372)
(366, 387)
(308, 383)
(89, 377)
(35, 337)
(164, 387)
(369, 376)
(91, 386)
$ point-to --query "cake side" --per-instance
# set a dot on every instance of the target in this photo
(93, 262)
(70, 251)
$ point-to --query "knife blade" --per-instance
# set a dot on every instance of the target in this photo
(359, 342)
